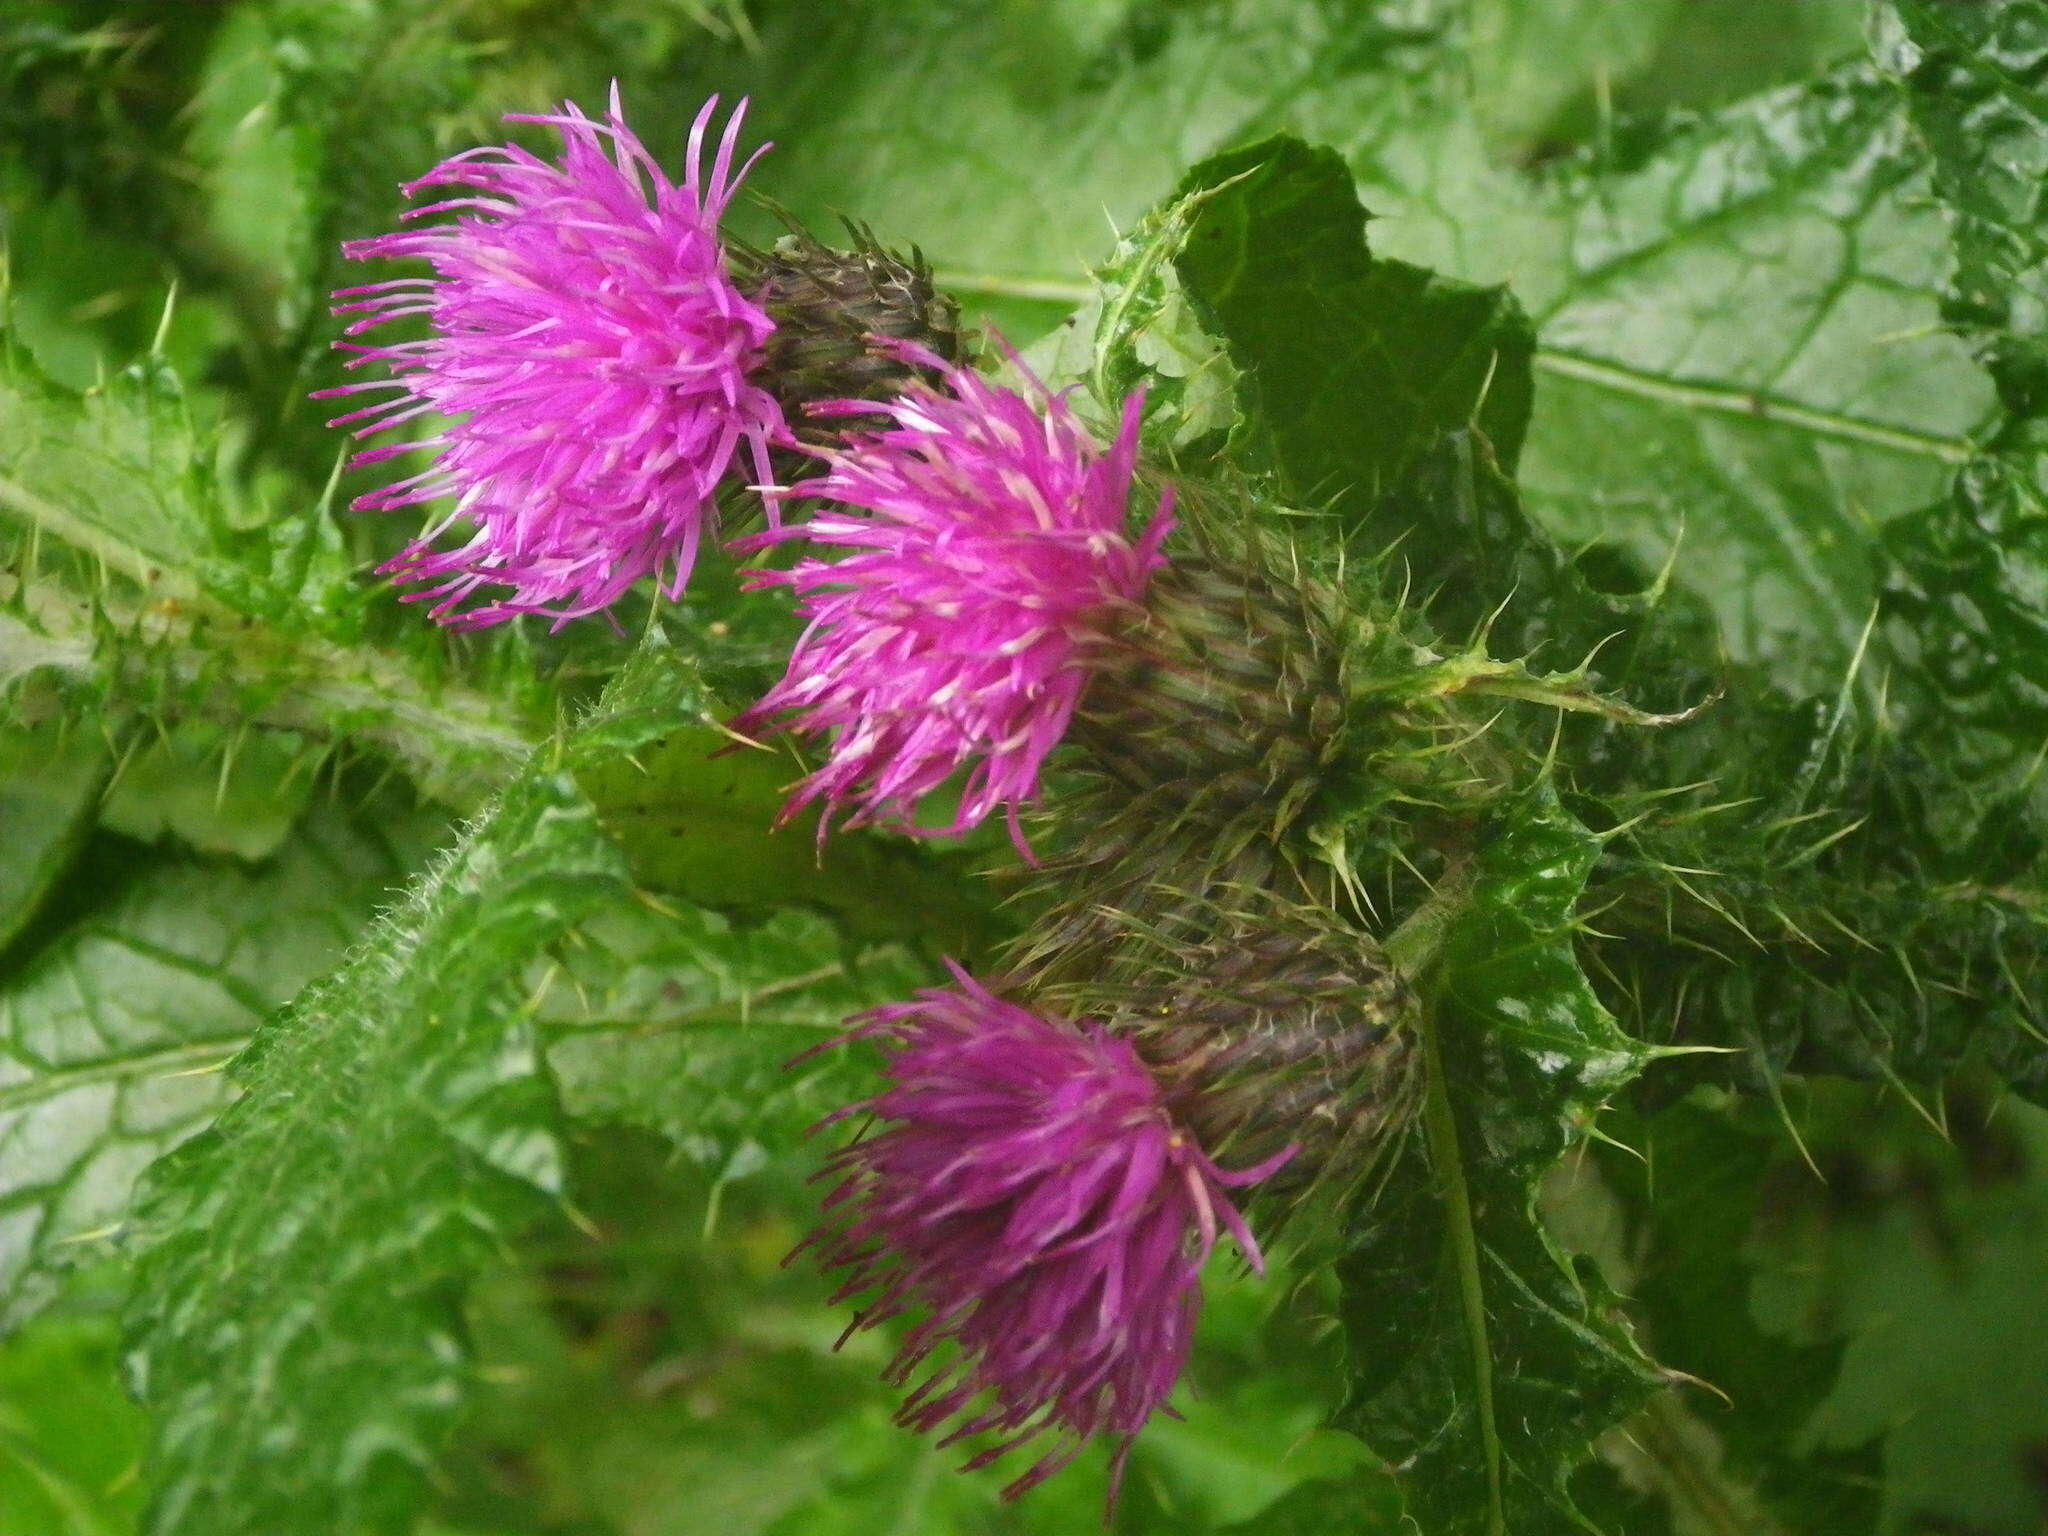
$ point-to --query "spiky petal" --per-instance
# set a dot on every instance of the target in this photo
(991, 562)
(1030, 1193)
(592, 355)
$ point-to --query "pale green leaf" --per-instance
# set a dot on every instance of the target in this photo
(114, 1027)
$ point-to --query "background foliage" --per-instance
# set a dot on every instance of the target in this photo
(1710, 346)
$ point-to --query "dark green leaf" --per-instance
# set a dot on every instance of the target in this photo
(1976, 80)
(695, 813)
(1698, 1184)
(1351, 366)
(1969, 588)
(52, 782)
(1924, 1261)
(1484, 1362)
(1857, 1294)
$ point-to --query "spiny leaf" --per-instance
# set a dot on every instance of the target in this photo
(141, 584)
(1483, 1362)
(298, 1263)
(1807, 905)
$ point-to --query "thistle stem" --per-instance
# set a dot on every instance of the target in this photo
(1413, 948)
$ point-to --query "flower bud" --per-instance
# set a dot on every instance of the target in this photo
(1207, 732)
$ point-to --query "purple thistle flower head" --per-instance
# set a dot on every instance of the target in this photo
(990, 559)
(592, 357)
(1031, 1194)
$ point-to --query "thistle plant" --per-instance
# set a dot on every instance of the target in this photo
(1206, 737)
(1387, 911)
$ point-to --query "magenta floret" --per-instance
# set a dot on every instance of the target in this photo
(988, 558)
(591, 356)
(1029, 1192)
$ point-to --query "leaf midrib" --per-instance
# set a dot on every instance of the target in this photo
(195, 1055)
(1440, 1126)
(1759, 406)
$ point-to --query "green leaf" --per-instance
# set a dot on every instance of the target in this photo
(1941, 1359)
(1033, 121)
(144, 582)
(1973, 76)
(217, 789)
(605, 1347)
(1858, 1299)
(1966, 627)
(1795, 891)
(1965, 602)
(1742, 359)
(69, 1438)
(50, 786)
(1697, 1185)
(1881, 846)
(696, 814)
(1483, 1362)
(115, 1023)
(1351, 367)
(682, 1024)
(293, 1322)
(1390, 396)
(93, 184)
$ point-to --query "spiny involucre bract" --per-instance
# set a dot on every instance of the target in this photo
(593, 359)
(835, 313)
(1028, 1191)
(989, 561)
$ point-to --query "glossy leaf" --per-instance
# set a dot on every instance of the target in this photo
(1484, 1362)
(1350, 367)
